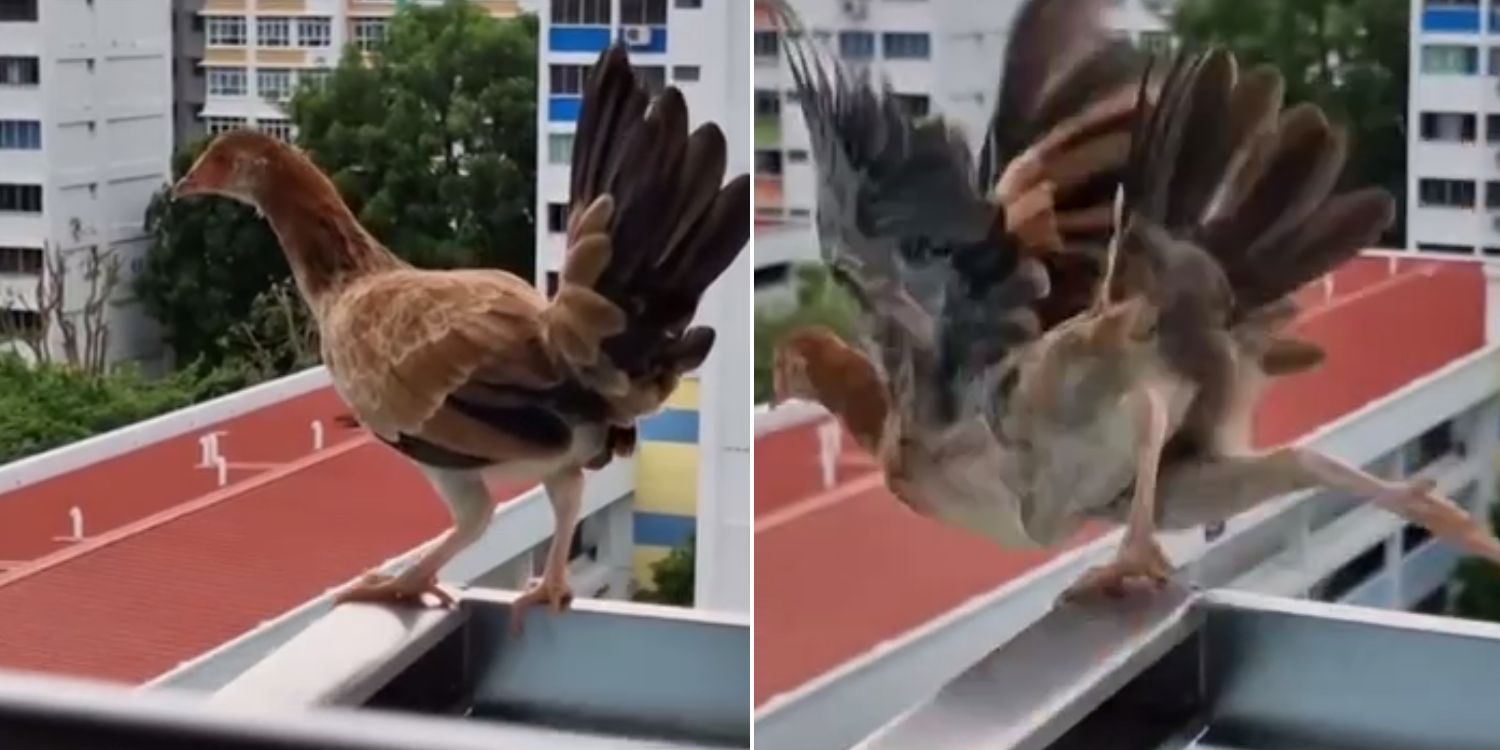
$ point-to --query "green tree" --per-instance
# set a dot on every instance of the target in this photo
(431, 141)
(43, 406)
(820, 301)
(673, 577)
(1348, 56)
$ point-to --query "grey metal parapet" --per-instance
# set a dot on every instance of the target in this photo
(604, 675)
(1219, 670)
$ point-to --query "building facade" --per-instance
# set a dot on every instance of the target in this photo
(940, 57)
(1453, 131)
(257, 52)
(85, 140)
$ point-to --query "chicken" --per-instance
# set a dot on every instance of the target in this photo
(1079, 328)
(474, 374)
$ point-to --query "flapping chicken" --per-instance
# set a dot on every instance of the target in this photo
(474, 373)
(1030, 384)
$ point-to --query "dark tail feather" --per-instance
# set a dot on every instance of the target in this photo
(676, 226)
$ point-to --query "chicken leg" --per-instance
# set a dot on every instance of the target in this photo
(469, 500)
(1140, 559)
(565, 490)
(1215, 489)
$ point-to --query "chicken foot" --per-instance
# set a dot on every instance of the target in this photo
(1140, 560)
(565, 490)
(1213, 490)
(467, 497)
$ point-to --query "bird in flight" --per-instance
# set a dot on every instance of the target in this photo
(1080, 325)
(474, 374)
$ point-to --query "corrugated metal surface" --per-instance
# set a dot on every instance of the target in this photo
(839, 572)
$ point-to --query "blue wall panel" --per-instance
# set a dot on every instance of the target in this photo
(564, 108)
(578, 38)
(1451, 20)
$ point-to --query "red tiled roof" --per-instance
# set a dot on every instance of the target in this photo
(134, 603)
(839, 572)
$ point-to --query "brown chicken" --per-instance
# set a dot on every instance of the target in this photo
(1031, 381)
(474, 373)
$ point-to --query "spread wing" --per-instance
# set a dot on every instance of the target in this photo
(942, 289)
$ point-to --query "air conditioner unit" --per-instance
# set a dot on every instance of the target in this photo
(636, 35)
(856, 8)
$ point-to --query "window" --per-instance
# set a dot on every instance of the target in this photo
(226, 31)
(1156, 41)
(688, 4)
(553, 280)
(20, 71)
(559, 148)
(767, 44)
(653, 77)
(568, 80)
(315, 32)
(273, 31)
(217, 125)
(315, 77)
(1492, 194)
(369, 33)
(557, 218)
(24, 135)
(274, 84)
(1451, 193)
(22, 322)
(1492, 128)
(768, 163)
(1432, 247)
(856, 45)
(22, 198)
(907, 46)
(226, 81)
(1453, 127)
(17, 10)
(1450, 59)
(580, 12)
(281, 129)
(796, 156)
(914, 105)
(1495, 61)
(685, 73)
(767, 104)
(772, 275)
(643, 12)
(26, 260)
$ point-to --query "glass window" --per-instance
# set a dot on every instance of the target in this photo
(559, 148)
(20, 198)
(1448, 193)
(1453, 127)
(369, 33)
(767, 103)
(273, 31)
(26, 260)
(274, 84)
(768, 163)
(654, 77)
(856, 45)
(689, 3)
(226, 81)
(766, 44)
(686, 73)
(907, 46)
(281, 129)
(580, 12)
(217, 125)
(914, 105)
(18, 10)
(557, 218)
(568, 80)
(315, 32)
(643, 12)
(24, 135)
(1156, 41)
(1456, 59)
(226, 31)
(20, 71)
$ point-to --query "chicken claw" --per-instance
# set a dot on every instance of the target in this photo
(400, 590)
(1418, 502)
(1140, 566)
(556, 593)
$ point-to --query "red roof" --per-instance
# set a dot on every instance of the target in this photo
(164, 586)
(839, 572)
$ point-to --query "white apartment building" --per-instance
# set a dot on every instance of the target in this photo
(85, 140)
(940, 56)
(1453, 131)
(257, 52)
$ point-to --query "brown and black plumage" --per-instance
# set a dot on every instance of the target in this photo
(474, 373)
(1040, 371)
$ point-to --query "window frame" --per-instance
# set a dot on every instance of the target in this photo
(227, 71)
(280, 28)
(221, 27)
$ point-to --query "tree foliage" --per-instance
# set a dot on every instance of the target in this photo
(1478, 589)
(431, 141)
(673, 578)
(820, 301)
(1348, 56)
(43, 406)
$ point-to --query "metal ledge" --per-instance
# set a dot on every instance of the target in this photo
(1221, 669)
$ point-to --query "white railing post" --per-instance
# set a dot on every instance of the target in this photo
(1491, 302)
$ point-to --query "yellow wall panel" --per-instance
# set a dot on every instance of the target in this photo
(666, 478)
(224, 6)
(685, 397)
(215, 56)
(645, 557)
(501, 8)
(281, 56)
(281, 6)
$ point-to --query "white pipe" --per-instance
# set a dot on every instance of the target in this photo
(830, 440)
(223, 467)
(76, 514)
(317, 431)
